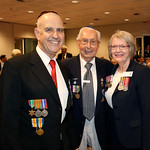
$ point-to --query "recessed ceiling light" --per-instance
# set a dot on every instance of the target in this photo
(95, 19)
(136, 14)
(30, 11)
(67, 18)
(91, 23)
(75, 2)
(126, 19)
(1, 18)
(107, 13)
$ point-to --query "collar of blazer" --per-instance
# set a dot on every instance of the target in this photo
(40, 72)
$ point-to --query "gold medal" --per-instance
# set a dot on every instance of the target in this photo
(40, 131)
(106, 85)
(102, 100)
(109, 85)
(120, 87)
(31, 112)
(77, 96)
(125, 88)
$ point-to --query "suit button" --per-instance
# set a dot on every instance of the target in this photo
(117, 118)
(59, 108)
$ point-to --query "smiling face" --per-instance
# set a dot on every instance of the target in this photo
(121, 51)
(88, 44)
(50, 33)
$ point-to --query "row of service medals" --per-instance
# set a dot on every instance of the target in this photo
(102, 85)
(123, 84)
(76, 89)
(109, 81)
(38, 109)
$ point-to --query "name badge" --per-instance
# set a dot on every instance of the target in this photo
(86, 81)
(128, 74)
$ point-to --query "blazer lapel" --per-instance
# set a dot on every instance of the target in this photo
(40, 71)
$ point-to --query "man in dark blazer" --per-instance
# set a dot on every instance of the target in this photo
(3, 59)
(64, 54)
(89, 132)
(35, 113)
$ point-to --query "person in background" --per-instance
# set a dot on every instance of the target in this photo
(35, 100)
(64, 54)
(128, 96)
(16, 52)
(147, 60)
(3, 59)
(87, 73)
(148, 64)
(147, 51)
(142, 61)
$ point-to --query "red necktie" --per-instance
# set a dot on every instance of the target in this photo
(53, 72)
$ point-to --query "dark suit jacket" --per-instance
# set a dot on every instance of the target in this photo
(68, 55)
(103, 68)
(132, 108)
(25, 77)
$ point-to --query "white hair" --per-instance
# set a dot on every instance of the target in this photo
(16, 52)
(90, 28)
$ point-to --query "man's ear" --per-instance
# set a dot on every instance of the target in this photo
(78, 44)
(36, 32)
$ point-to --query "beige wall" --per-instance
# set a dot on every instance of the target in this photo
(9, 31)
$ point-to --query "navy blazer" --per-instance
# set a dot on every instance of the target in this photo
(23, 78)
(132, 108)
(103, 68)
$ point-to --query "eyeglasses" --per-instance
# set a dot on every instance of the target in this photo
(86, 41)
(121, 47)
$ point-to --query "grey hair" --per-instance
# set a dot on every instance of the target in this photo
(89, 28)
(125, 36)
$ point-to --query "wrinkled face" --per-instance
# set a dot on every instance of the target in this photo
(88, 44)
(120, 51)
(50, 33)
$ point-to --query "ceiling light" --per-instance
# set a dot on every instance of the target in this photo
(136, 14)
(30, 11)
(91, 23)
(126, 19)
(1, 18)
(95, 19)
(67, 18)
(107, 13)
(75, 2)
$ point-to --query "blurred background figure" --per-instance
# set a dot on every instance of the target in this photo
(64, 54)
(148, 64)
(147, 51)
(3, 59)
(147, 60)
(142, 61)
(16, 52)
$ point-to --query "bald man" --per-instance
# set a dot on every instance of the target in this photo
(35, 101)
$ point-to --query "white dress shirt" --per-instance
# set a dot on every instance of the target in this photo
(62, 88)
